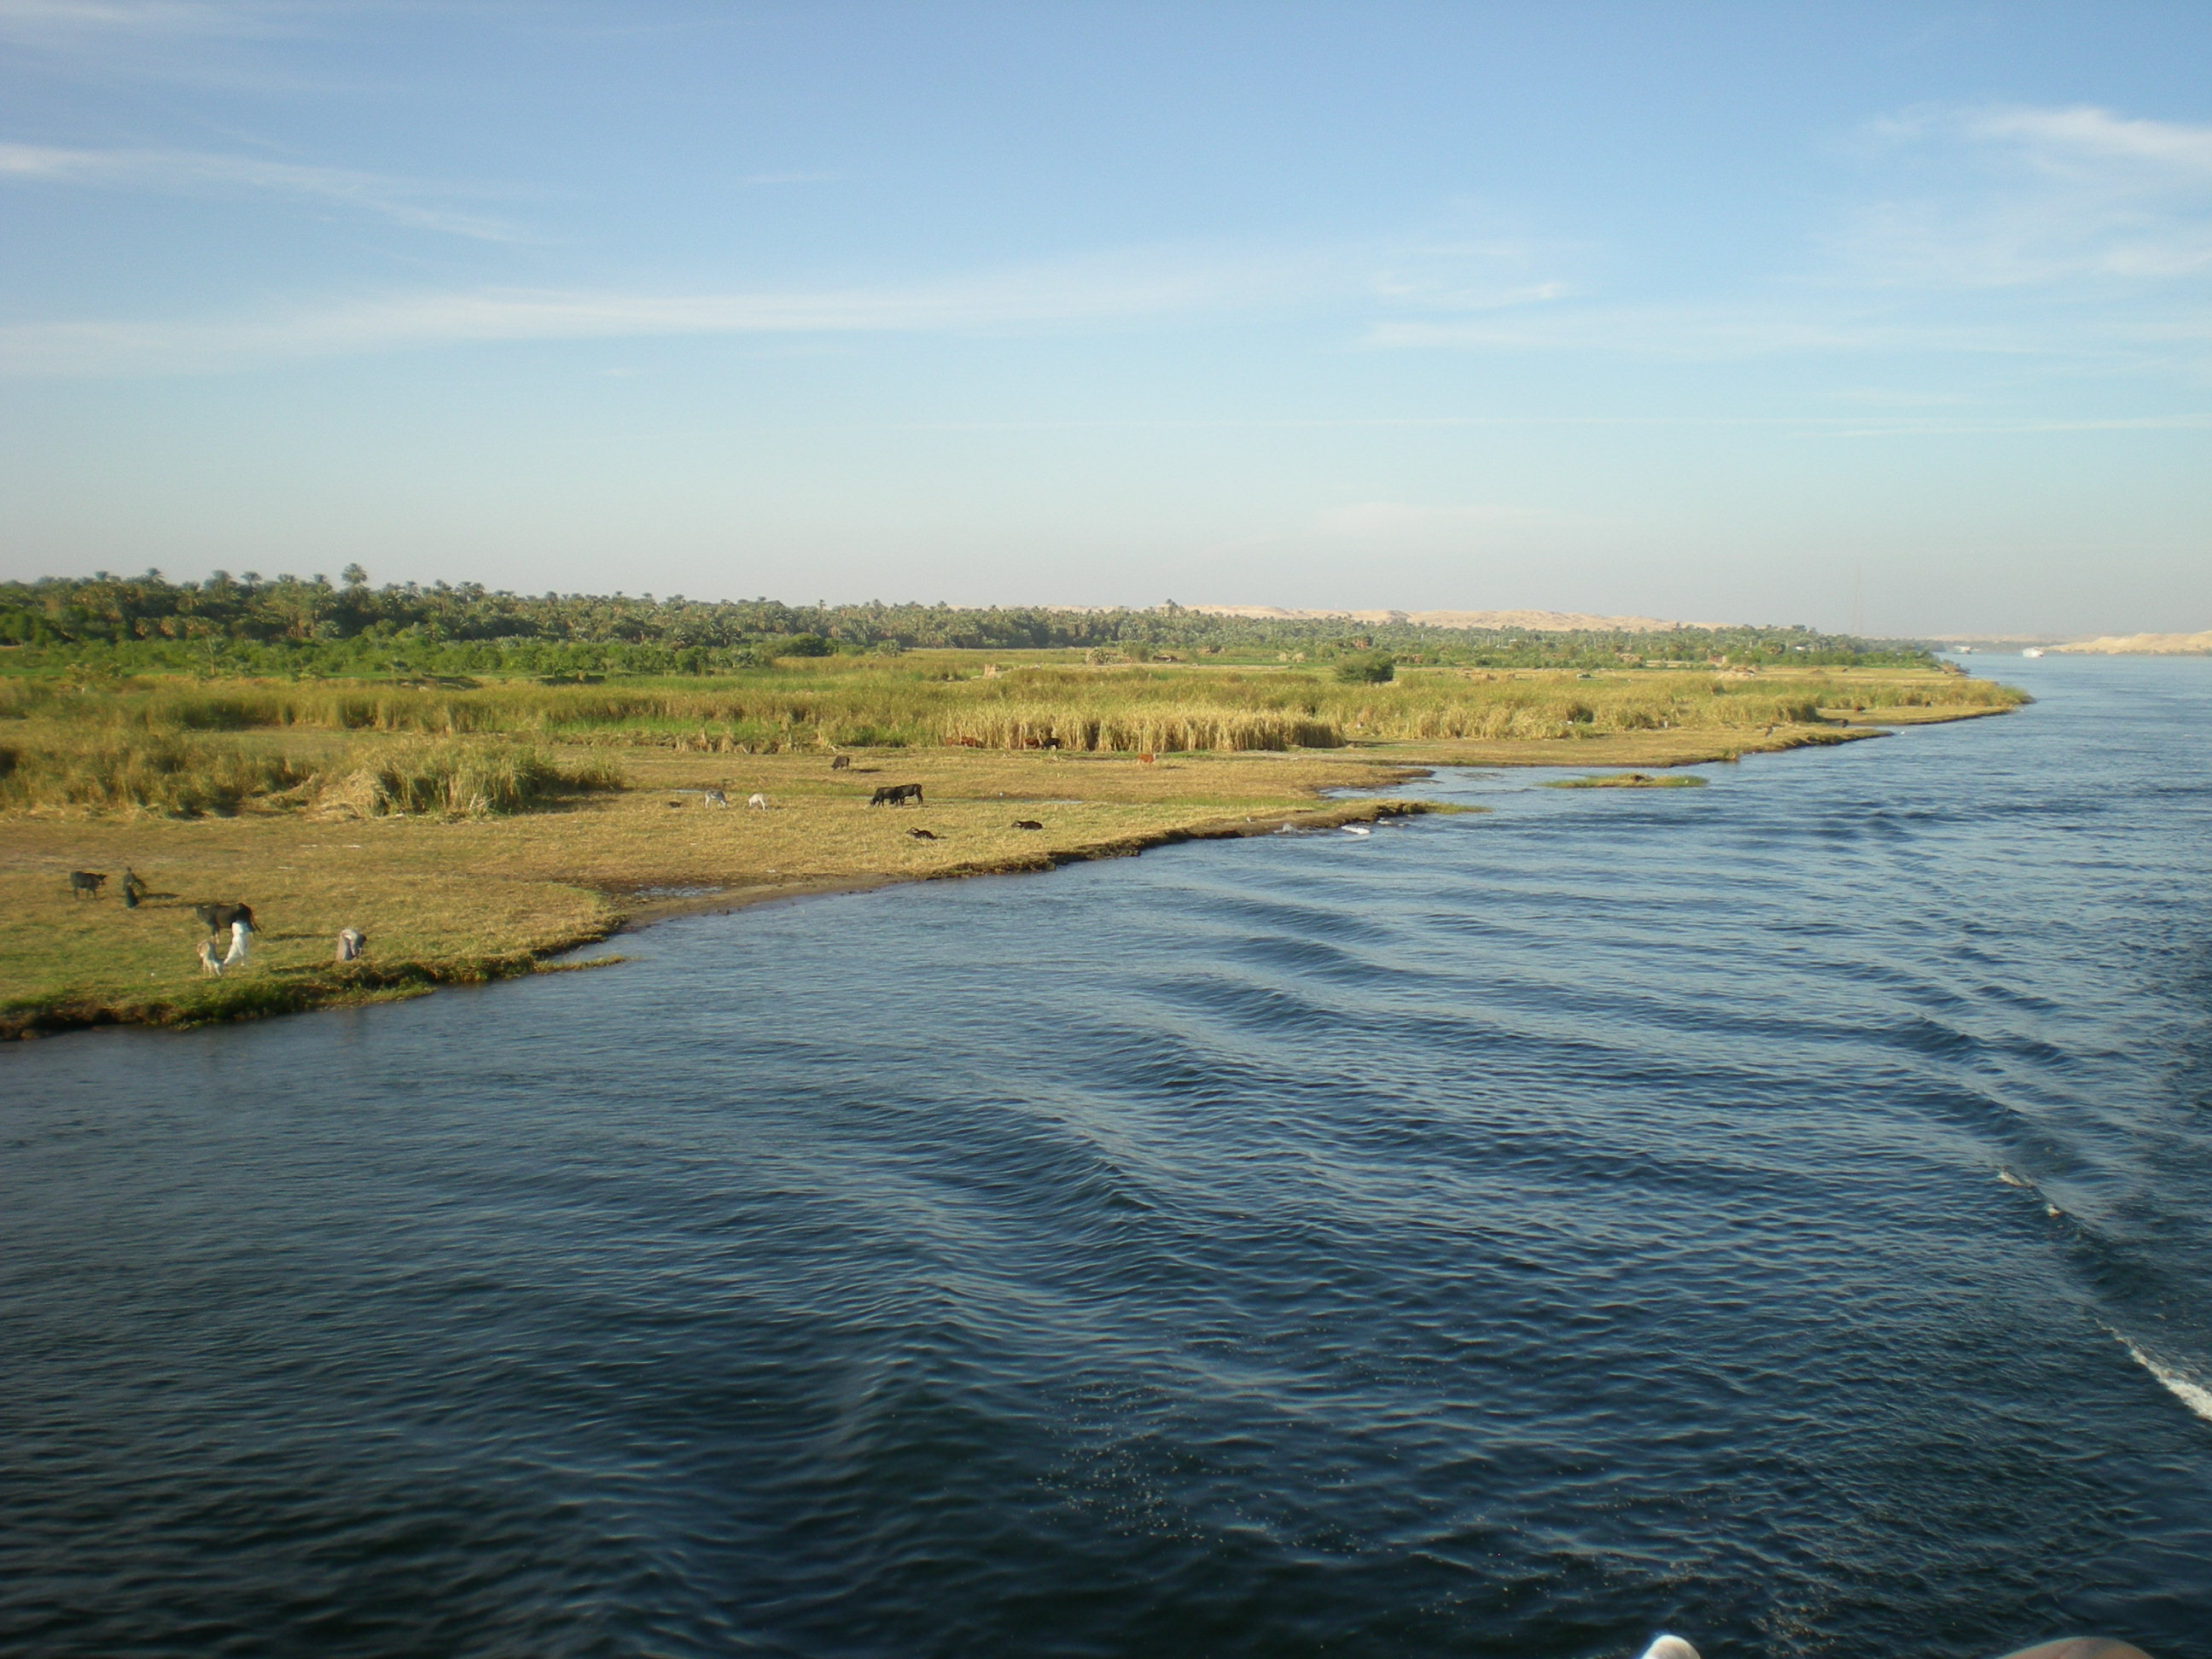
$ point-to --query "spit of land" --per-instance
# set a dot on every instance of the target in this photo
(473, 830)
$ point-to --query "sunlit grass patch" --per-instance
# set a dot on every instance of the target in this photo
(458, 780)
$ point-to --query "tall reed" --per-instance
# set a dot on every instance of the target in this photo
(844, 705)
(157, 773)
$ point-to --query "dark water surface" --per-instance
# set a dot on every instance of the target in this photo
(1779, 1212)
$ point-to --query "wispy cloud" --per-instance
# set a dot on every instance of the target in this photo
(44, 22)
(1474, 272)
(1697, 333)
(2008, 196)
(2090, 214)
(1075, 292)
(2063, 139)
(405, 202)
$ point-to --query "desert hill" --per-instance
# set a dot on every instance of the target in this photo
(2145, 645)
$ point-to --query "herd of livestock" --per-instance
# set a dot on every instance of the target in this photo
(221, 918)
(235, 921)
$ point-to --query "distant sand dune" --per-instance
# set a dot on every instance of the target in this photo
(2146, 645)
(1541, 622)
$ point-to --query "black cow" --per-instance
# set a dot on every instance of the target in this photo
(1027, 824)
(218, 918)
(896, 794)
(85, 884)
(840, 762)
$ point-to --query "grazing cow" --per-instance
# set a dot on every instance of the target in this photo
(235, 957)
(921, 835)
(1148, 759)
(86, 882)
(840, 762)
(896, 794)
(352, 943)
(758, 802)
(715, 797)
(222, 918)
(210, 964)
(1027, 824)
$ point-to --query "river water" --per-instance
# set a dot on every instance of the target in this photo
(1780, 1212)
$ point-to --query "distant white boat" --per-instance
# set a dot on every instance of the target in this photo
(2033, 651)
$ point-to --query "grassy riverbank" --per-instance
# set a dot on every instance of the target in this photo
(473, 830)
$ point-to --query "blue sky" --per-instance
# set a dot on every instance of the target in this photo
(1724, 312)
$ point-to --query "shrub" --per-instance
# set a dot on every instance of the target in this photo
(459, 780)
(1368, 668)
(798, 645)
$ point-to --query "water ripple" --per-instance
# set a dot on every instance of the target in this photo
(1777, 1212)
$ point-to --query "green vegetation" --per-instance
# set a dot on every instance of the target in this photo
(291, 626)
(1631, 781)
(1367, 668)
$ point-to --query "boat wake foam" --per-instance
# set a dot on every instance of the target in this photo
(2176, 1382)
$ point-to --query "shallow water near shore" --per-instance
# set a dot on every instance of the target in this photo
(1780, 1212)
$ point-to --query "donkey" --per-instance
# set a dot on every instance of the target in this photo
(222, 918)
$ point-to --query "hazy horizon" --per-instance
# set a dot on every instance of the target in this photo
(1891, 315)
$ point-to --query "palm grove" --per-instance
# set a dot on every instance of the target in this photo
(251, 625)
